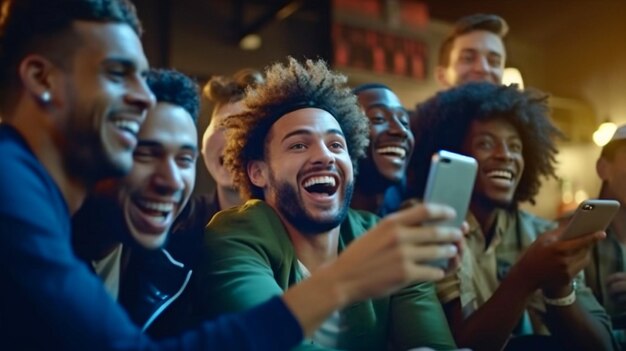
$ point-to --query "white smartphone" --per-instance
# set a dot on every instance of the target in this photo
(451, 182)
(591, 216)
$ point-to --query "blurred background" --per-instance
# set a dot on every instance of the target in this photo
(574, 50)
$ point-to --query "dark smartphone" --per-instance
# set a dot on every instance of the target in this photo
(591, 216)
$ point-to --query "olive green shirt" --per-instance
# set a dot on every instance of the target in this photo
(250, 258)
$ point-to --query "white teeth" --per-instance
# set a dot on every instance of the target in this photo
(158, 206)
(330, 181)
(131, 126)
(400, 152)
(500, 174)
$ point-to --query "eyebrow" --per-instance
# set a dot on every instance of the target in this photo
(308, 132)
(381, 105)
(126, 63)
(156, 144)
(474, 51)
(491, 135)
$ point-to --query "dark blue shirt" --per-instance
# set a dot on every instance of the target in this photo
(50, 300)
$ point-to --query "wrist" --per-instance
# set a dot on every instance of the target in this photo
(559, 297)
(556, 292)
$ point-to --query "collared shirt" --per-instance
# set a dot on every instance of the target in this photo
(483, 267)
(608, 257)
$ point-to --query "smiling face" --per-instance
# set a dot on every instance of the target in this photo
(213, 142)
(307, 176)
(103, 100)
(497, 147)
(475, 56)
(391, 140)
(163, 175)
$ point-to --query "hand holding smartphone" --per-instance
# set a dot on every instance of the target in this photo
(591, 216)
(451, 182)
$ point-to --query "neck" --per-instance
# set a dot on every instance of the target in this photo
(98, 228)
(485, 215)
(313, 250)
(362, 200)
(48, 152)
(228, 197)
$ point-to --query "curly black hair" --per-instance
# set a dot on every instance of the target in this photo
(443, 121)
(287, 86)
(173, 87)
(43, 26)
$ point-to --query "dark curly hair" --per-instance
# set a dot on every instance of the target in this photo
(173, 87)
(287, 86)
(443, 121)
(43, 27)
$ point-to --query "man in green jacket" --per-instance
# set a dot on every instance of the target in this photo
(293, 152)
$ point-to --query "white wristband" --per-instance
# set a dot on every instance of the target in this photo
(561, 301)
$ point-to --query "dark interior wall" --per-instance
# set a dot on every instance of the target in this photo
(196, 37)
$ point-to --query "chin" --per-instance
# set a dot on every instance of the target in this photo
(150, 241)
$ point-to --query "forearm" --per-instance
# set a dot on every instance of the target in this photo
(577, 329)
(490, 326)
(314, 299)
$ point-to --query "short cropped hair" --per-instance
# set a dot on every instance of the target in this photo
(175, 88)
(491, 23)
(443, 121)
(289, 87)
(369, 86)
(38, 26)
(225, 89)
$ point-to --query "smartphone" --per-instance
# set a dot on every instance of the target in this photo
(451, 182)
(591, 216)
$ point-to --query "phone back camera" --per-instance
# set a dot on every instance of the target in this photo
(587, 207)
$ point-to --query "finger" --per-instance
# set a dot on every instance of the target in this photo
(581, 242)
(426, 253)
(617, 288)
(422, 272)
(432, 235)
(420, 213)
(615, 277)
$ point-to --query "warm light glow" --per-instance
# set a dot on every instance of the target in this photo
(512, 76)
(580, 196)
(250, 42)
(604, 133)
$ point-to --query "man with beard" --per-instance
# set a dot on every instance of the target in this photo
(380, 184)
(292, 151)
(514, 279)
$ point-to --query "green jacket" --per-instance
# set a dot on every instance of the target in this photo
(250, 259)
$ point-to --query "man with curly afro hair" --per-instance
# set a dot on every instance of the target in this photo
(514, 280)
(293, 151)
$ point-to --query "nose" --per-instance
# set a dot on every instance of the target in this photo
(168, 179)
(396, 127)
(322, 155)
(502, 151)
(481, 64)
(140, 95)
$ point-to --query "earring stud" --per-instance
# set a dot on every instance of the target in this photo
(45, 97)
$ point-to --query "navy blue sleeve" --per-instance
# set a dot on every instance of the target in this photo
(51, 300)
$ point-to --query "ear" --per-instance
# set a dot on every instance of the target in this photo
(602, 168)
(258, 173)
(440, 75)
(37, 75)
